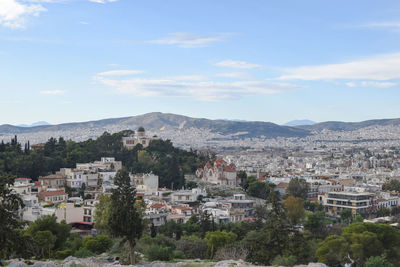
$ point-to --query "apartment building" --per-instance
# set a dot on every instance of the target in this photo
(357, 202)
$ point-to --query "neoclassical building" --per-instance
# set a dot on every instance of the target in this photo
(139, 137)
(220, 173)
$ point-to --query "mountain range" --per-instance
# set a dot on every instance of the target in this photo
(39, 123)
(157, 122)
(299, 123)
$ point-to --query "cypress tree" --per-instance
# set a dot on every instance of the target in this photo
(124, 220)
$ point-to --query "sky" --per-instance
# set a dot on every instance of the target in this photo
(79, 60)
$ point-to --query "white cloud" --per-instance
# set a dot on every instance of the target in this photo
(14, 14)
(188, 40)
(371, 84)
(237, 64)
(393, 25)
(120, 72)
(235, 75)
(379, 68)
(184, 86)
(52, 92)
(103, 1)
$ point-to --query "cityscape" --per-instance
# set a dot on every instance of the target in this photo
(207, 133)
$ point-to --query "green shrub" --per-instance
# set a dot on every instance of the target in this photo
(160, 240)
(193, 247)
(98, 244)
(160, 253)
(84, 253)
(377, 262)
(284, 261)
(62, 254)
(178, 254)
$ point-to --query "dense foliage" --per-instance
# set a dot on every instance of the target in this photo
(161, 157)
(9, 223)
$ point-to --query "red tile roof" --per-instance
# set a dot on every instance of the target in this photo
(228, 170)
(22, 179)
(52, 176)
(52, 193)
(183, 208)
(282, 185)
(158, 206)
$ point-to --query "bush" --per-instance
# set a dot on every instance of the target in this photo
(178, 254)
(74, 242)
(84, 253)
(377, 262)
(98, 244)
(193, 247)
(232, 251)
(284, 261)
(62, 254)
(160, 253)
(160, 240)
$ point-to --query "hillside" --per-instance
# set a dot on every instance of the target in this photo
(349, 126)
(163, 121)
(299, 123)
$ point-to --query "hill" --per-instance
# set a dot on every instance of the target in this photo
(299, 123)
(349, 126)
(157, 121)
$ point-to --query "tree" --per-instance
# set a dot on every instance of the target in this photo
(124, 220)
(358, 218)
(46, 241)
(295, 209)
(377, 262)
(358, 242)
(315, 223)
(193, 247)
(333, 251)
(382, 211)
(242, 175)
(153, 231)
(10, 203)
(346, 216)
(218, 239)
(59, 230)
(98, 244)
(102, 212)
(247, 181)
(273, 239)
(298, 188)
(392, 185)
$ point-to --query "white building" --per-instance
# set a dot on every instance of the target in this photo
(220, 173)
(137, 138)
(186, 196)
(145, 182)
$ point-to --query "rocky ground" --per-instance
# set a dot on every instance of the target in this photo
(103, 262)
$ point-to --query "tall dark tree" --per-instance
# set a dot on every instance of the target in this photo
(124, 220)
(298, 188)
(10, 203)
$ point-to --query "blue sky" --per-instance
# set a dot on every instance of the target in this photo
(78, 60)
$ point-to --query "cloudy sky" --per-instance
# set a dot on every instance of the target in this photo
(78, 60)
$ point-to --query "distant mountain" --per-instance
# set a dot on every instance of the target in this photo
(349, 126)
(157, 121)
(39, 123)
(180, 129)
(299, 122)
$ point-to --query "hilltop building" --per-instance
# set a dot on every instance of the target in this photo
(139, 137)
